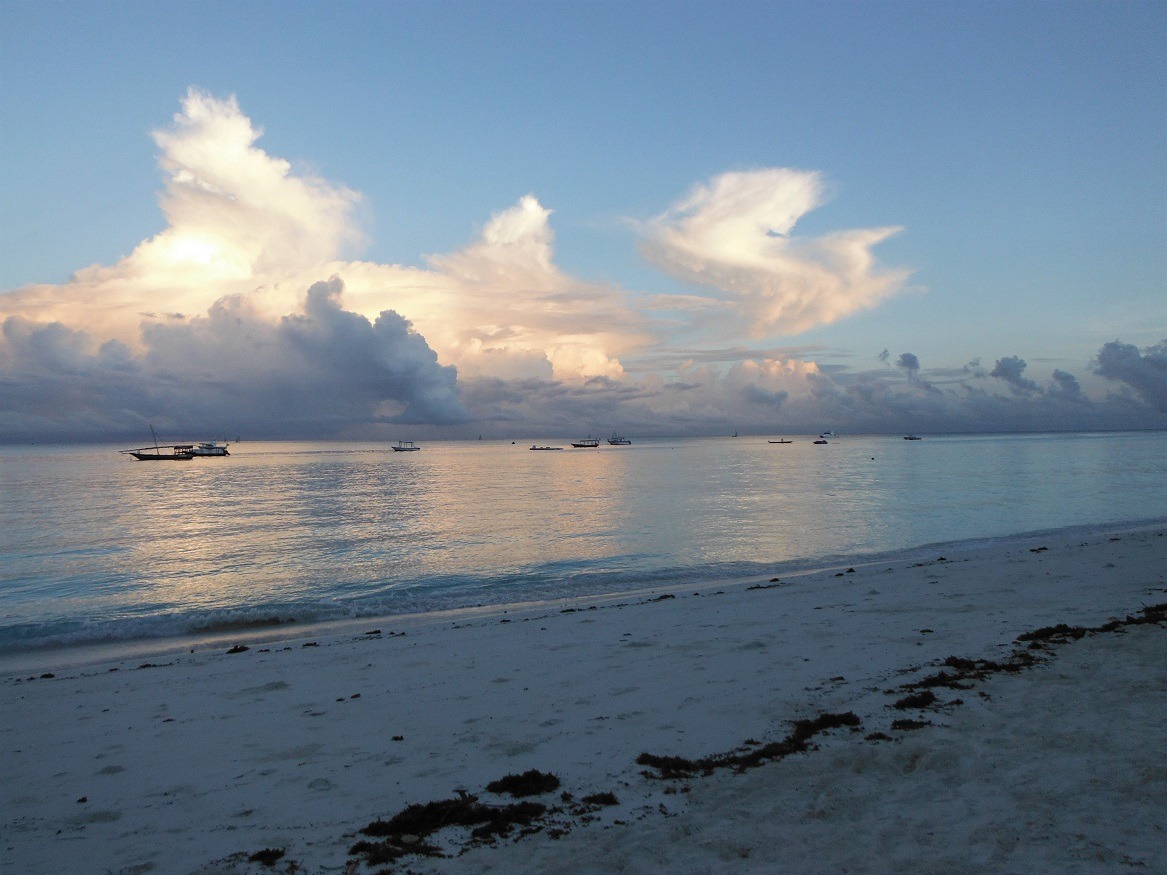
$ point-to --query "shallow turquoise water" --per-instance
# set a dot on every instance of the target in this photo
(95, 546)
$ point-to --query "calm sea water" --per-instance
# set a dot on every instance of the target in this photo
(97, 547)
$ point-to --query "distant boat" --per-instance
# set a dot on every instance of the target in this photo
(783, 441)
(912, 437)
(617, 441)
(734, 433)
(589, 441)
(405, 447)
(821, 441)
(828, 434)
(533, 447)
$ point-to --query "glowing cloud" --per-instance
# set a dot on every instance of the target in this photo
(238, 207)
(236, 216)
(242, 223)
(733, 235)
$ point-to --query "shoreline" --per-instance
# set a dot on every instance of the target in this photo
(200, 762)
(72, 655)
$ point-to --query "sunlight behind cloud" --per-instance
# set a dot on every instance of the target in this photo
(242, 223)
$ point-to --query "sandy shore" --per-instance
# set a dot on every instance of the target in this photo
(1038, 755)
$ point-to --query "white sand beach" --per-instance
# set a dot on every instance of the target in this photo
(273, 758)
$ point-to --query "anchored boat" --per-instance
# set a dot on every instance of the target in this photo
(176, 452)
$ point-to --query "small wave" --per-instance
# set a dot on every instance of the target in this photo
(554, 582)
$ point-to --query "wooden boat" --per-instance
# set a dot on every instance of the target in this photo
(783, 441)
(171, 453)
(405, 447)
(175, 452)
(534, 447)
(589, 441)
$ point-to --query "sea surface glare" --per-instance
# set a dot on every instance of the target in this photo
(95, 546)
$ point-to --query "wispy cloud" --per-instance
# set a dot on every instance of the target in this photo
(734, 236)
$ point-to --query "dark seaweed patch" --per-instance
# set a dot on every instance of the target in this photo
(1062, 632)
(601, 799)
(673, 767)
(267, 857)
(924, 699)
(393, 849)
(424, 818)
(907, 725)
(530, 783)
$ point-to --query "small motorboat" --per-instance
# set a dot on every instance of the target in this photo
(821, 441)
(912, 437)
(617, 441)
(405, 447)
(209, 448)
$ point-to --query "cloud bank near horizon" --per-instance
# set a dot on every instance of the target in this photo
(313, 374)
(244, 315)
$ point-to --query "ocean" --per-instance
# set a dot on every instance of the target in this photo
(96, 547)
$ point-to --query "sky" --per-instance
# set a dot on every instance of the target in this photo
(439, 220)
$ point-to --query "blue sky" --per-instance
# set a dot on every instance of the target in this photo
(1019, 149)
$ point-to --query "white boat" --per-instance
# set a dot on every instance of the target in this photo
(405, 447)
(209, 448)
(617, 441)
(828, 434)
